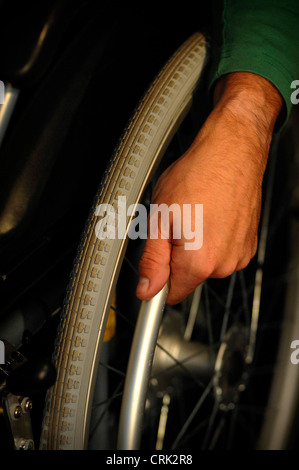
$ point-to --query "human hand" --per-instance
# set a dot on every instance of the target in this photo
(223, 170)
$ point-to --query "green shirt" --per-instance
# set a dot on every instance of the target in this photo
(258, 36)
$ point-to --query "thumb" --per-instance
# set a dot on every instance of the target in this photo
(154, 268)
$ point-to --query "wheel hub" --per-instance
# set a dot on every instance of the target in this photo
(231, 369)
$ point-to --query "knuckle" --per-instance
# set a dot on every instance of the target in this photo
(203, 266)
(244, 260)
(243, 264)
(225, 266)
(225, 270)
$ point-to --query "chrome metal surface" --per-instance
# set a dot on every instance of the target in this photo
(137, 379)
(6, 109)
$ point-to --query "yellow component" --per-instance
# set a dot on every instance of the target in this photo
(111, 322)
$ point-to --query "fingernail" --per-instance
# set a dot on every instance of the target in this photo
(142, 286)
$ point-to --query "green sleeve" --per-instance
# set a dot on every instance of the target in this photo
(258, 36)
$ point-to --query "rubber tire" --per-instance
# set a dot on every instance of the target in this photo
(97, 265)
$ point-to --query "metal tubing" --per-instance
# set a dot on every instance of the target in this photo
(138, 372)
(6, 109)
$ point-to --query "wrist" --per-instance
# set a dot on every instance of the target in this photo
(250, 100)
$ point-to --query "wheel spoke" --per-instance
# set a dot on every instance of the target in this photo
(116, 394)
(182, 365)
(210, 425)
(193, 313)
(208, 315)
(192, 415)
(228, 304)
(134, 269)
(245, 299)
(217, 433)
(113, 369)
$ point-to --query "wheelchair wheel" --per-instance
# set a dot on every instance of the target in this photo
(96, 268)
(205, 387)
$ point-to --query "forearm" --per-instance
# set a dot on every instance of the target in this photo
(246, 107)
(250, 98)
